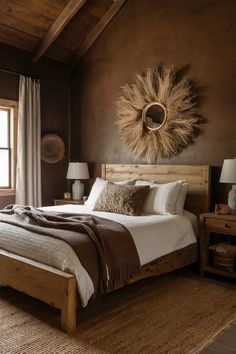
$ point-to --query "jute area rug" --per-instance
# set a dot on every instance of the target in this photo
(170, 314)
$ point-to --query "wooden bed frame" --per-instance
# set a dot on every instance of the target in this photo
(58, 288)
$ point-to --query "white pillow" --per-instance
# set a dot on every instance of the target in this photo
(98, 187)
(166, 198)
(181, 199)
(130, 182)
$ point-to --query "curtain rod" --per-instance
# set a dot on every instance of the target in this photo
(18, 74)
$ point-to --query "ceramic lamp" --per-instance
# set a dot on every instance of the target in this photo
(77, 171)
(228, 175)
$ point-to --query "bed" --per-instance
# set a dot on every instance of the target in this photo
(59, 288)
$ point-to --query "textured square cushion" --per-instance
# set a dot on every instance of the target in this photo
(98, 187)
(165, 198)
(120, 199)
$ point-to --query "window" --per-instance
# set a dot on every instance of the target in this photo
(5, 148)
(8, 133)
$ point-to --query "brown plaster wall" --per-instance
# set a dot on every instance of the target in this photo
(54, 109)
(199, 33)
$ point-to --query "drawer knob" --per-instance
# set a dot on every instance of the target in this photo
(227, 226)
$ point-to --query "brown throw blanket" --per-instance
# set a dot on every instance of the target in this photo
(105, 248)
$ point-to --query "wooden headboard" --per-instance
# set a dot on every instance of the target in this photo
(197, 177)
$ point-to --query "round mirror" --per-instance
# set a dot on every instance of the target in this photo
(154, 115)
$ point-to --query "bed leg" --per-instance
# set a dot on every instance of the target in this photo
(68, 310)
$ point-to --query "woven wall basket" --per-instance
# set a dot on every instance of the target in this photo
(52, 148)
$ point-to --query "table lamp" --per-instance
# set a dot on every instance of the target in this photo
(228, 175)
(77, 171)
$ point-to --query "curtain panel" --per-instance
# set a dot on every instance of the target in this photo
(28, 173)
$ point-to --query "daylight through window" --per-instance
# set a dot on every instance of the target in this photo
(5, 149)
(8, 132)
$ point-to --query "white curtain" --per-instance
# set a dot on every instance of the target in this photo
(28, 174)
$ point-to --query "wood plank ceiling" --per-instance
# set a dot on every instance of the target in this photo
(59, 29)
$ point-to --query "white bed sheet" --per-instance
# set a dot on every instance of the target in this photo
(154, 236)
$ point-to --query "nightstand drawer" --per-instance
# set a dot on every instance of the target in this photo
(68, 201)
(221, 225)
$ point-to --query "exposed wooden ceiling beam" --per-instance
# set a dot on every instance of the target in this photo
(67, 13)
(98, 29)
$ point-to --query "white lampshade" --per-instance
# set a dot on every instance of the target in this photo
(77, 170)
(228, 172)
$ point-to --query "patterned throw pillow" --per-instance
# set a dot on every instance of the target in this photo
(120, 199)
(98, 187)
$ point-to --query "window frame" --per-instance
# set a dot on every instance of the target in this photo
(8, 147)
(12, 107)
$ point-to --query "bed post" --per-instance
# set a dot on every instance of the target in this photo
(68, 310)
(43, 282)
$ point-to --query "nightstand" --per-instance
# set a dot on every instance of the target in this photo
(68, 201)
(215, 226)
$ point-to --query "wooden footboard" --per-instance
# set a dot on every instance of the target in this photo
(58, 288)
(42, 282)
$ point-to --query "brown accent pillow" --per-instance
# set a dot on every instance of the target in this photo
(122, 199)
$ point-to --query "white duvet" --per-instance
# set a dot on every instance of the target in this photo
(153, 235)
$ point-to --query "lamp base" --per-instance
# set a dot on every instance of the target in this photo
(232, 200)
(77, 190)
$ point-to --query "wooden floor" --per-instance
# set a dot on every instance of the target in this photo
(224, 344)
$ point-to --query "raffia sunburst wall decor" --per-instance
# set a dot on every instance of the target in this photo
(158, 114)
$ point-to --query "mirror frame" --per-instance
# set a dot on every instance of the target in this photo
(145, 111)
